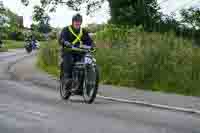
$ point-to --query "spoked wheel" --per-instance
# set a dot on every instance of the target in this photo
(90, 84)
(28, 48)
(65, 92)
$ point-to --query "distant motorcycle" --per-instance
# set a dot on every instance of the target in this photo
(35, 44)
(31, 45)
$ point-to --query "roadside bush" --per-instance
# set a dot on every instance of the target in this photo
(150, 61)
(39, 36)
(48, 57)
(4, 36)
(115, 36)
(53, 35)
(18, 36)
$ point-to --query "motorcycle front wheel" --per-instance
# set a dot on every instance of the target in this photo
(90, 84)
(28, 48)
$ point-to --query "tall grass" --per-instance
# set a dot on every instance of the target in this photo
(152, 61)
(48, 58)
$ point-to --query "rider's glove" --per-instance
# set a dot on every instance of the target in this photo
(85, 47)
(67, 44)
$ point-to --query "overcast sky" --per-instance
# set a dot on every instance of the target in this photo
(62, 16)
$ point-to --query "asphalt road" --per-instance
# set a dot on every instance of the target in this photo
(26, 108)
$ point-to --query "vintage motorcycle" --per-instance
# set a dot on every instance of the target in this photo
(85, 78)
(31, 45)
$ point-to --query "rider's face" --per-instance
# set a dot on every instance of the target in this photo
(77, 24)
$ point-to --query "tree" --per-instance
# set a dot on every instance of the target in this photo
(125, 12)
(42, 18)
(191, 17)
(38, 14)
(44, 27)
(77, 5)
(10, 20)
(136, 12)
(168, 23)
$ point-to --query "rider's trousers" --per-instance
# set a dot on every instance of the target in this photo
(69, 58)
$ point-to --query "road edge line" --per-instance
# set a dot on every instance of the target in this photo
(166, 107)
(143, 103)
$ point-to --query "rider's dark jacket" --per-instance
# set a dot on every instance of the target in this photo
(67, 35)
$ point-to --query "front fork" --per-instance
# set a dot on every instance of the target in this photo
(77, 76)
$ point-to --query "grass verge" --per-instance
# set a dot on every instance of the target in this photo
(3, 50)
(149, 61)
(11, 44)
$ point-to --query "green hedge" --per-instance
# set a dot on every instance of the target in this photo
(48, 58)
(150, 61)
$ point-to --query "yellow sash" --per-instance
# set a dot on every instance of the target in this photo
(78, 37)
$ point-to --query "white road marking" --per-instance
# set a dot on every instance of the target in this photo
(187, 110)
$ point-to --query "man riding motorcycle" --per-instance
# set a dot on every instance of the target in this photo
(77, 37)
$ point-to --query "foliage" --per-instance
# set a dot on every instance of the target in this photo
(48, 58)
(34, 27)
(44, 28)
(39, 14)
(150, 61)
(131, 12)
(92, 28)
(42, 18)
(11, 27)
(16, 35)
(137, 12)
(120, 36)
(134, 12)
(39, 36)
(4, 36)
(77, 5)
(10, 19)
(191, 17)
(53, 35)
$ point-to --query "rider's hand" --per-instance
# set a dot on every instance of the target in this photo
(67, 44)
(85, 47)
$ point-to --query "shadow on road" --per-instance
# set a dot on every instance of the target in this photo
(79, 100)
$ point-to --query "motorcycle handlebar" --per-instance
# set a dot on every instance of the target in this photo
(85, 48)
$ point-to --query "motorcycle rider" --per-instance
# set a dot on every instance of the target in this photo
(31, 40)
(78, 37)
